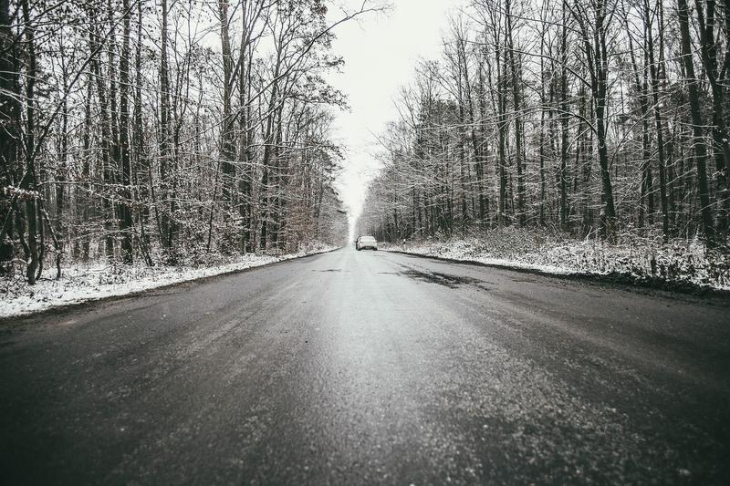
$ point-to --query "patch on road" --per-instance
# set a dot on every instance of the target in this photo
(450, 281)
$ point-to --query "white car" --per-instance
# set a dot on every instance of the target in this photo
(365, 242)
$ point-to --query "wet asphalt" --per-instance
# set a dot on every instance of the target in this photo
(370, 368)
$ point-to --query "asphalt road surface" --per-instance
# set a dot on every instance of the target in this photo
(370, 368)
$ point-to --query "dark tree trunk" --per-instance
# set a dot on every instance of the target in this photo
(721, 139)
(9, 133)
(592, 20)
(517, 99)
(564, 119)
(125, 220)
(697, 122)
(654, 75)
(30, 182)
(165, 217)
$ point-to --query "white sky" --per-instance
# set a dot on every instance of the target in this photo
(380, 54)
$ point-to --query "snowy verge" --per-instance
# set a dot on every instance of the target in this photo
(83, 283)
(678, 265)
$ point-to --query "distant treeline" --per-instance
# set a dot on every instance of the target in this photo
(584, 116)
(165, 130)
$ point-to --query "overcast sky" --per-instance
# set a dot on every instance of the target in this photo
(380, 55)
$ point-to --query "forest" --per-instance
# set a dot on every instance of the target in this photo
(588, 118)
(166, 131)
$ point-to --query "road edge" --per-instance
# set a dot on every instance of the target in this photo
(64, 308)
(615, 279)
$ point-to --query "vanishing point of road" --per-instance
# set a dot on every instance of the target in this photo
(370, 368)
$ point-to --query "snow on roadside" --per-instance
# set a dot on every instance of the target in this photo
(97, 281)
(678, 262)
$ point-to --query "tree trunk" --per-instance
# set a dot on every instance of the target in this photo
(600, 88)
(125, 220)
(165, 225)
(9, 132)
(517, 99)
(30, 182)
(106, 142)
(697, 123)
(653, 73)
(564, 119)
(720, 136)
(227, 152)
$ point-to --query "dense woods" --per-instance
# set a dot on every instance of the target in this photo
(584, 117)
(165, 130)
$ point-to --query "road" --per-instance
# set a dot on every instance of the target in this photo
(370, 368)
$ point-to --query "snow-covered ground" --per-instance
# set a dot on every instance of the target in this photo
(678, 262)
(82, 283)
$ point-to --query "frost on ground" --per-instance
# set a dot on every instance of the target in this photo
(81, 283)
(679, 262)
